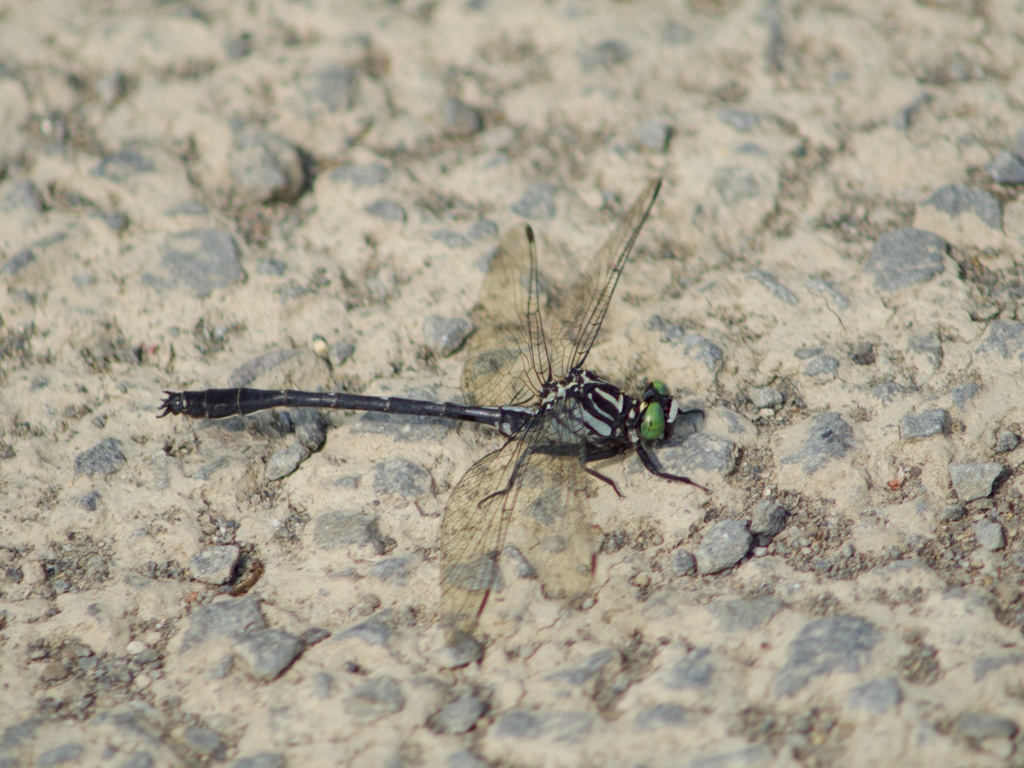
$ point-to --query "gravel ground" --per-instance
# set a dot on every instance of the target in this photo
(307, 194)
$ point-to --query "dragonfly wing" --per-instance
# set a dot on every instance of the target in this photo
(473, 531)
(508, 361)
(582, 310)
(538, 486)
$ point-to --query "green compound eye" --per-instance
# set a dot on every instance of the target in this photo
(653, 425)
(660, 387)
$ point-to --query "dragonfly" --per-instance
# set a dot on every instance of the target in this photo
(526, 376)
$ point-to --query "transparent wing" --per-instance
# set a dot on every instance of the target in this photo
(581, 311)
(508, 361)
(540, 479)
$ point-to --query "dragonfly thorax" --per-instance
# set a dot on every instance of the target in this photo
(603, 413)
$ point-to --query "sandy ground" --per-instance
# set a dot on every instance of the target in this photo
(307, 193)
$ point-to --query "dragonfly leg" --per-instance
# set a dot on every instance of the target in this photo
(654, 469)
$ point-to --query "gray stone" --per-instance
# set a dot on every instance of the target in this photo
(122, 165)
(340, 352)
(228, 617)
(735, 184)
(105, 458)
(266, 168)
(139, 760)
(979, 726)
(451, 239)
(725, 544)
(204, 742)
(824, 365)
(376, 698)
(401, 478)
(738, 119)
(482, 229)
(362, 174)
(829, 437)
(537, 202)
(989, 535)
(654, 135)
(1006, 168)
(765, 397)
(262, 760)
(214, 565)
(1006, 441)
(458, 716)
(965, 393)
(581, 673)
(444, 335)
(373, 631)
(386, 209)
(604, 56)
(268, 652)
(285, 460)
(876, 696)
(703, 451)
(1004, 337)
(465, 759)
(333, 530)
(929, 345)
(335, 86)
(563, 727)
(905, 257)
(829, 290)
(767, 518)
(777, 289)
(460, 119)
(974, 481)
(683, 563)
(203, 259)
(393, 569)
(835, 643)
(694, 670)
(956, 199)
(917, 426)
(65, 753)
(661, 716)
(458, 651)
(20, 195)
(743, 614)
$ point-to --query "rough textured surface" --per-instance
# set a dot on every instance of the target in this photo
(307, 194)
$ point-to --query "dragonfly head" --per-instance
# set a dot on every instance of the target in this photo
(657, 412)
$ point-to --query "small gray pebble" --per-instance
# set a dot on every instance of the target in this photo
(978, 726)
(268, 652)
(765, 397)
(917, 426)
(1006, 168)
(340, 352)
(725, 544)
(333, 530)
(265, 167)
(823, 365)
(771, 282)
(386, 209)
(654, 135)
(376, 698)
(286, 460)
(905, 257)
(1006, 441)
(989, 535)
(444, 335)
(974, 481)
(105, 458)
(202, 259)
(214, 565)
(878, 696)
(65, 753)
(955, 199)
(204, 742)
(537, 202)
(458, 716)
(459, 651)
(402, 478)
(460, 119)
(604, 55)
(683, 563)
(262, 760)
(768, 518)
